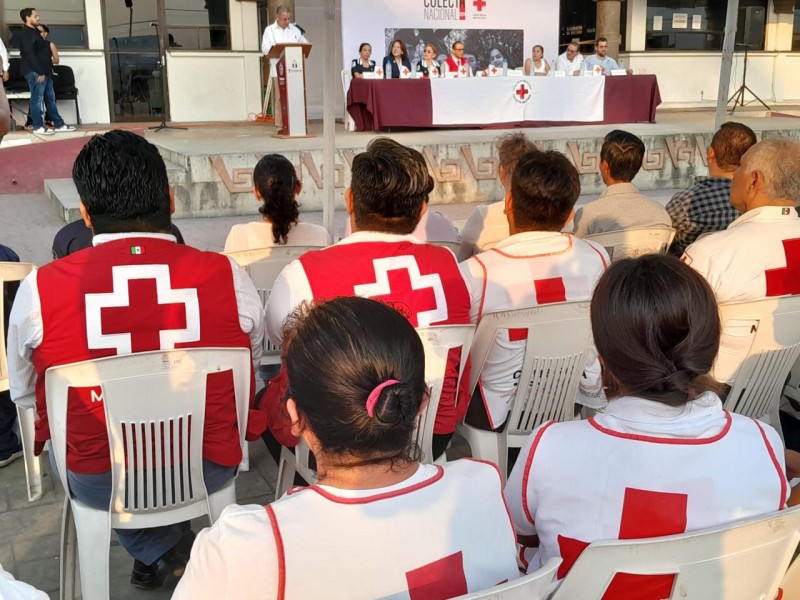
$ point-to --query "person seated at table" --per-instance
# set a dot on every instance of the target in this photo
(428, 66)
(381, 525)
(620, 206)
(600, 58)
(362, 63)
(497, 58)
(396, 61)
(276, 187)
(571, 61)
(537, 65)
(457, 63)
(664, 457)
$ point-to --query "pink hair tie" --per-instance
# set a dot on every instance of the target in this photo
(372, 399)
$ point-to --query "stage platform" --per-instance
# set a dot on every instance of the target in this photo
(211, 166)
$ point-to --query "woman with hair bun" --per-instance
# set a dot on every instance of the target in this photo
(378, 524)
(664, 457)
(276, 187)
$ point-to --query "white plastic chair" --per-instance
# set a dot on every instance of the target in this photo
(437, 342)
(535, 586)
(739, 561)
(775, 347)
(154, 406)
(10, 272)
(559, 336)
(347, 77)
(630, 243)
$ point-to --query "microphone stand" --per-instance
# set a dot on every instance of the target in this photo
(738, 95)
(161, 61)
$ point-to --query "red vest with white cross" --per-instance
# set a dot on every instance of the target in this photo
(454, 66)
(422, 281)
(135, 295)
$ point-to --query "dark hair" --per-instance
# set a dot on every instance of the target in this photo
(403, 48)
(453, 47)
(275, 179)
(544, 189)
(45, 27)
(390, 183)
(730, 142)
(600, 39)
(624, 153)
(336, 352)
(510, 148)
(25, 13)
(122, 182)
(540, 47)
(656, 327)
(361, 47)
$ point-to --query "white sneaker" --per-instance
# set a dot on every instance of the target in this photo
(43, 131)
(64, 129)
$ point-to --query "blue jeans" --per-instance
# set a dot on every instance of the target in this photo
(145, 545)
(43, 92)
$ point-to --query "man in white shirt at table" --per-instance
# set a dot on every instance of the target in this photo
(571, 61)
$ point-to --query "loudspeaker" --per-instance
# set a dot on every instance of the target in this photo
(750, 26)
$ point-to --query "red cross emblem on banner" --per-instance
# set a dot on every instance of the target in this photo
(645, 514)
(463, 71)
(787, 280)
(398, 280)
(143, 312)
(522, 92)
(479, 4)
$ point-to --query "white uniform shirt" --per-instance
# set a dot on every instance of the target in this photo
(446, 528)
(258, 234)
(432, 227)
(756, 257)
(569, 66)
(274, 34)
(3, 57)
(525, 270)
(642, 469)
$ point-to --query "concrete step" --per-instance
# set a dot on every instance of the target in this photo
(176, 173)
(64, 197)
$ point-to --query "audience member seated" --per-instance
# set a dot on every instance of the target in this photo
(536, 265)
(378, 524)
(571, 62)
(382, 260)
(755, 257)
(620, 206)
(433, 227)
(363, 63)
(59, 317)
(396, 61)
(537, 65)
(664, 457)
(276, 187)
(10, 446)
(457, 63)
(706, 206)
(427, 65)
(77, 236)
(488, 224)
(600, 58)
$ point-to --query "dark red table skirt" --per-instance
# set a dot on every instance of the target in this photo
(379, 104)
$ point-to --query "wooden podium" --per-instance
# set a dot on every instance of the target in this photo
(290, 71)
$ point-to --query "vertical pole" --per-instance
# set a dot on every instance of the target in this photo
(329, 119)
(608, 14)
(727, 62)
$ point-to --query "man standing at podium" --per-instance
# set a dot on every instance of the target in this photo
(282, 31)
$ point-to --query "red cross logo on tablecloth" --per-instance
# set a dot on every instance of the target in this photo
(645, 514)
(463, 71)
(479, 4)
(398, 280)
(786, 280)
(443, 578)
(522, 92)
(142, 312)
(548, 291)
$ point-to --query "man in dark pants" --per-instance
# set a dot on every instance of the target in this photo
(37, 68)
(10, 446)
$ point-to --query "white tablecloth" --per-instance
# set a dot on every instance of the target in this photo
(486, 100)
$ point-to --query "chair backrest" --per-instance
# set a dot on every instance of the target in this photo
(737, 561)
(534, 586)
(64, 81)
(630, 243)
(16, 80)
(264, 265)
(154, 406)
(775, 347)
(558, 339)
(9, 272)
(438, 343)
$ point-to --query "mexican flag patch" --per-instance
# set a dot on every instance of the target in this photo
(137, 249)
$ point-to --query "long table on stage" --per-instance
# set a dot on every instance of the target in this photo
(380, 104)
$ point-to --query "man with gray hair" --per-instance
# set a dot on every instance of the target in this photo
(282, 31)
(758, 255)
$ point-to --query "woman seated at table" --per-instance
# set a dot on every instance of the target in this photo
(378, 524)
(428, 65)
(664, 457)
(363, 63)
(537, 65)
(397, 59)
(276, 188)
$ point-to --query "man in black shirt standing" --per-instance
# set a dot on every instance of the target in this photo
(37, 67)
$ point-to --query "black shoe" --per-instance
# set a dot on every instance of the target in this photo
(167, 569)
(143, 577)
